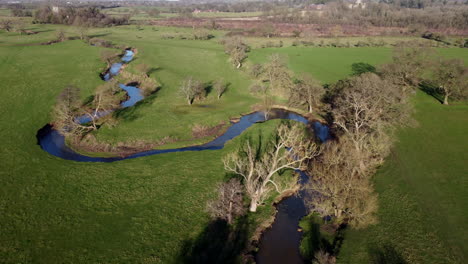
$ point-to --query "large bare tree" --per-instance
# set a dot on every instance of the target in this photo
(451, 76)
(306, 91)
(220, 87)
(366, 108)
(277, 74)
(191, 88)
(6, 25)
(229, 203)
(290, 149)
(104, 101)
(237, 50)
(66, 109)
(340, 188)
(407, 66)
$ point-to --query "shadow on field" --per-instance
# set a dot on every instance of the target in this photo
(39, 30)
(218, 243)
(386, 254)
(432, 90)
(98, 35)
(131, 113)
(154, 69)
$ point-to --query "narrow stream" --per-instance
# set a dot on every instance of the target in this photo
(280, 243)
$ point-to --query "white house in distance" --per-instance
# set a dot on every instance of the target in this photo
(357, 4)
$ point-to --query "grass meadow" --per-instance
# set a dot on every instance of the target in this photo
(144, 210)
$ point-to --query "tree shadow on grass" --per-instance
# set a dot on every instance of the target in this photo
(432, 90)
(153, 70)
(98, 35)
(385, 254)
(131, 113)
(218, 243)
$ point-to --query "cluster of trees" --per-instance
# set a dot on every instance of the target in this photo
(19, 10)
(192, 89)
(261, 169)
(197, 34)
(364, 110)
(69, 108)
(274, 77)
(376, 14)
(89, 16)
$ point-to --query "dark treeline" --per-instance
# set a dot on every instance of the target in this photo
(19, 10)
(89, 16)
(376, 14)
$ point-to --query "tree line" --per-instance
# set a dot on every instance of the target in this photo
(89, 16)
(376, 14)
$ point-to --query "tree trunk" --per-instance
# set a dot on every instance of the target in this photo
(239, 65)
(446, 99)
(229, 215)
(310, 108)
(253, 205)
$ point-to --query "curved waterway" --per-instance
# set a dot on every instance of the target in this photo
(279, 243)
(53, 142)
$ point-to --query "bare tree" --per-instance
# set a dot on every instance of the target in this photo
(339, 188)
(306, 91)
(367, 107)
(61, 35)
(6, 25)
(229, 204)
(220, 87)
(277, 73)
(65, 111)
(104, 101)
(408, 63)
(256, 70)
(19, 26)
(237, 50)
(191, 89)
(451, 76)
(83, 31)
(289, 150)
(267, 105)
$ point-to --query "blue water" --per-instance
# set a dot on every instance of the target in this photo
(280, 243)
(134, 94)
(54, 143)
(115, 68)
(128, 56)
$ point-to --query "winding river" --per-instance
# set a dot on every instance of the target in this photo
(279, 243)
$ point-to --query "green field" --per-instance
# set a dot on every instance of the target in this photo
(144, 210)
